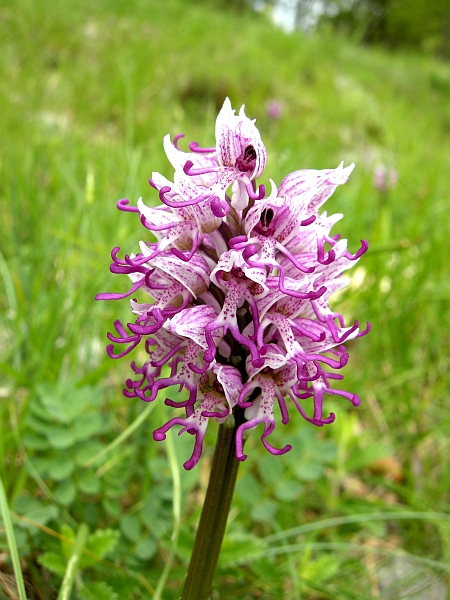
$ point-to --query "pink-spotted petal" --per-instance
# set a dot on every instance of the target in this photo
(239, 143)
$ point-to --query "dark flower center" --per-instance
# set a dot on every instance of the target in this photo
(265, 220)
(266, 217)
(247, 160)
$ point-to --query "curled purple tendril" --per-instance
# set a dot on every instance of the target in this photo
(114, 296)
(185, 257)
(235, 241)
(194, 147)
(293, 260)
(366, 330)
(361, 251)
(219, 208)
(249, 251)
(313, 295)
(191, 172)
(259, 195)
(176, 138)
(308, 221)
(123, 204)
(191, 202)
(151, 227)
(321, 254)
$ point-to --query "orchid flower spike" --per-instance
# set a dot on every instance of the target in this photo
(231, 290)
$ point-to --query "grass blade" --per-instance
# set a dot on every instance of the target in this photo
(175, 469)
(12, 542)
(434, 564)
(123, 436)
(362, 518)
(72, 565)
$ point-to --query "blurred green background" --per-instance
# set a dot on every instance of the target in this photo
(87, 92)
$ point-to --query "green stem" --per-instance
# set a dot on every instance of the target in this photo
(213, 520)
(72, 565)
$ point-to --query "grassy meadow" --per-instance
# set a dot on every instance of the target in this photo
(87, 92)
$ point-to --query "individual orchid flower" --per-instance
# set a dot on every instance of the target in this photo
(219, 394)
(231, 302)
(238, 144)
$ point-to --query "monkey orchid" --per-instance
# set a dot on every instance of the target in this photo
(233, 304)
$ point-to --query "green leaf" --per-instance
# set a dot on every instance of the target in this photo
(269, 575)
(98, 590)
(67, 532)
(88, 425)
(86, 450)
(364, 457)
(34, 510)
(248, 489)
(288, 490)
(26, 504)
(61, 468)
(89, 484)
(65, 492)
(264, 511)
(38, 425)
(60, 438)
(185, 544)
(112, 507)
(37, 409)
(145, 548)
(240, 547)
(53, 562)
(34, 441)
(62, 401)
(102, 541)
(41, 464)
(320, 570)
(271, 469)
(91, 513)
(130, 526)
(309, 471)
(326, 452)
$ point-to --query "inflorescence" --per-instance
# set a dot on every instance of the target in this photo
(238, 286)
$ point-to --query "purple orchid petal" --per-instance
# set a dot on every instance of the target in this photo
(231, 382)
(192, 322)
